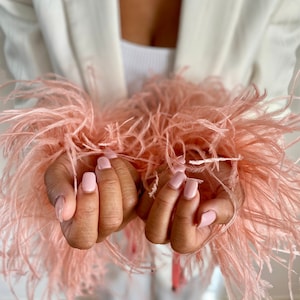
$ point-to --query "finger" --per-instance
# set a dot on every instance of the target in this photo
(219, 210)
(147, 200)
(128, 186)
(60, 190)
(111, 206)
(133, 172)
(82, 231)
(185, 236)
(157, 224)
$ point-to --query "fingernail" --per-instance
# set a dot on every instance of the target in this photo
(110, 154)
(103, 163)
(181, 159)
(59, 206)
(179, 168)
(190, 189)
(207, 218)
(177, 180)
(88, 183)
(179, 165)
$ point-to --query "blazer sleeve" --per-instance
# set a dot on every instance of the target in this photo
(275, 64)
(24, 54)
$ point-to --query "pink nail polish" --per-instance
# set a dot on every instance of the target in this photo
(179, 168)
(179, 165)
(59, 206)
(207, 218)
(190, 189)
(181, 159)
(177, 180)
(88, 183)
(103, 163)
(110, 154)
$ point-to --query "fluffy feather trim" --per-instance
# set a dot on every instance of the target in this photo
(169, 118)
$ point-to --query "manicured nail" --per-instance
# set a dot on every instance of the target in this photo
(59, 206)
(88, 183)
(190, 189)
(207, 218)
(110, 154)
(181, 159)
(103, 163)
(179, 166)
(177, 180)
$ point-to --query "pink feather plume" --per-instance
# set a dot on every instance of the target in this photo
(168, 119)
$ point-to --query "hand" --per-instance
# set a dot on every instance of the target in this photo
(105, 200)
(177, 215)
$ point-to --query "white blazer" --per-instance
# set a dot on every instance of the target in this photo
(243, 41)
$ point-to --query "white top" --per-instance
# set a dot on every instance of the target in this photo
(242, 41)
(142, 62)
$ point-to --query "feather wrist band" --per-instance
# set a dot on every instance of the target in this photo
(169, 118)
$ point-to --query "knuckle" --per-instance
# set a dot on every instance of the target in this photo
(53, 177)
(89, 210)
(82, 244)
(79, 236)
(182, 243)
(109, 183)
(150, 236)
(228, 216)
(57, 169)
(49, 177)
(130, 197)
(180, 248)
(182, 219)
(228, 212)
(224, 215)
(163, 203)
(183, 249)
(125, 169)
(111, 223)
(119, 167)
(153, 237)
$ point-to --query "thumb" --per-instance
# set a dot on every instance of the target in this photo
(60, 190)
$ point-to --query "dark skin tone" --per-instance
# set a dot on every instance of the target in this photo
(172, 216)
(150, 23)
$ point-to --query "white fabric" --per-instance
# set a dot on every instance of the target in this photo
(141, 62)
(242, 41)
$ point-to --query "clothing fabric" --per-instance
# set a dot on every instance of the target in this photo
(242, 41)
(142, 62)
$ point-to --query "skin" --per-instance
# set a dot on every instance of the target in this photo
(150, 23)
(90, 217)
(172, 218)
(86, 219)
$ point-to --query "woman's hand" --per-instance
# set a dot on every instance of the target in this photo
(177, 214)
(105, 200)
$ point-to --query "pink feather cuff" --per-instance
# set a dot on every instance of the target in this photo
(169, 118)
